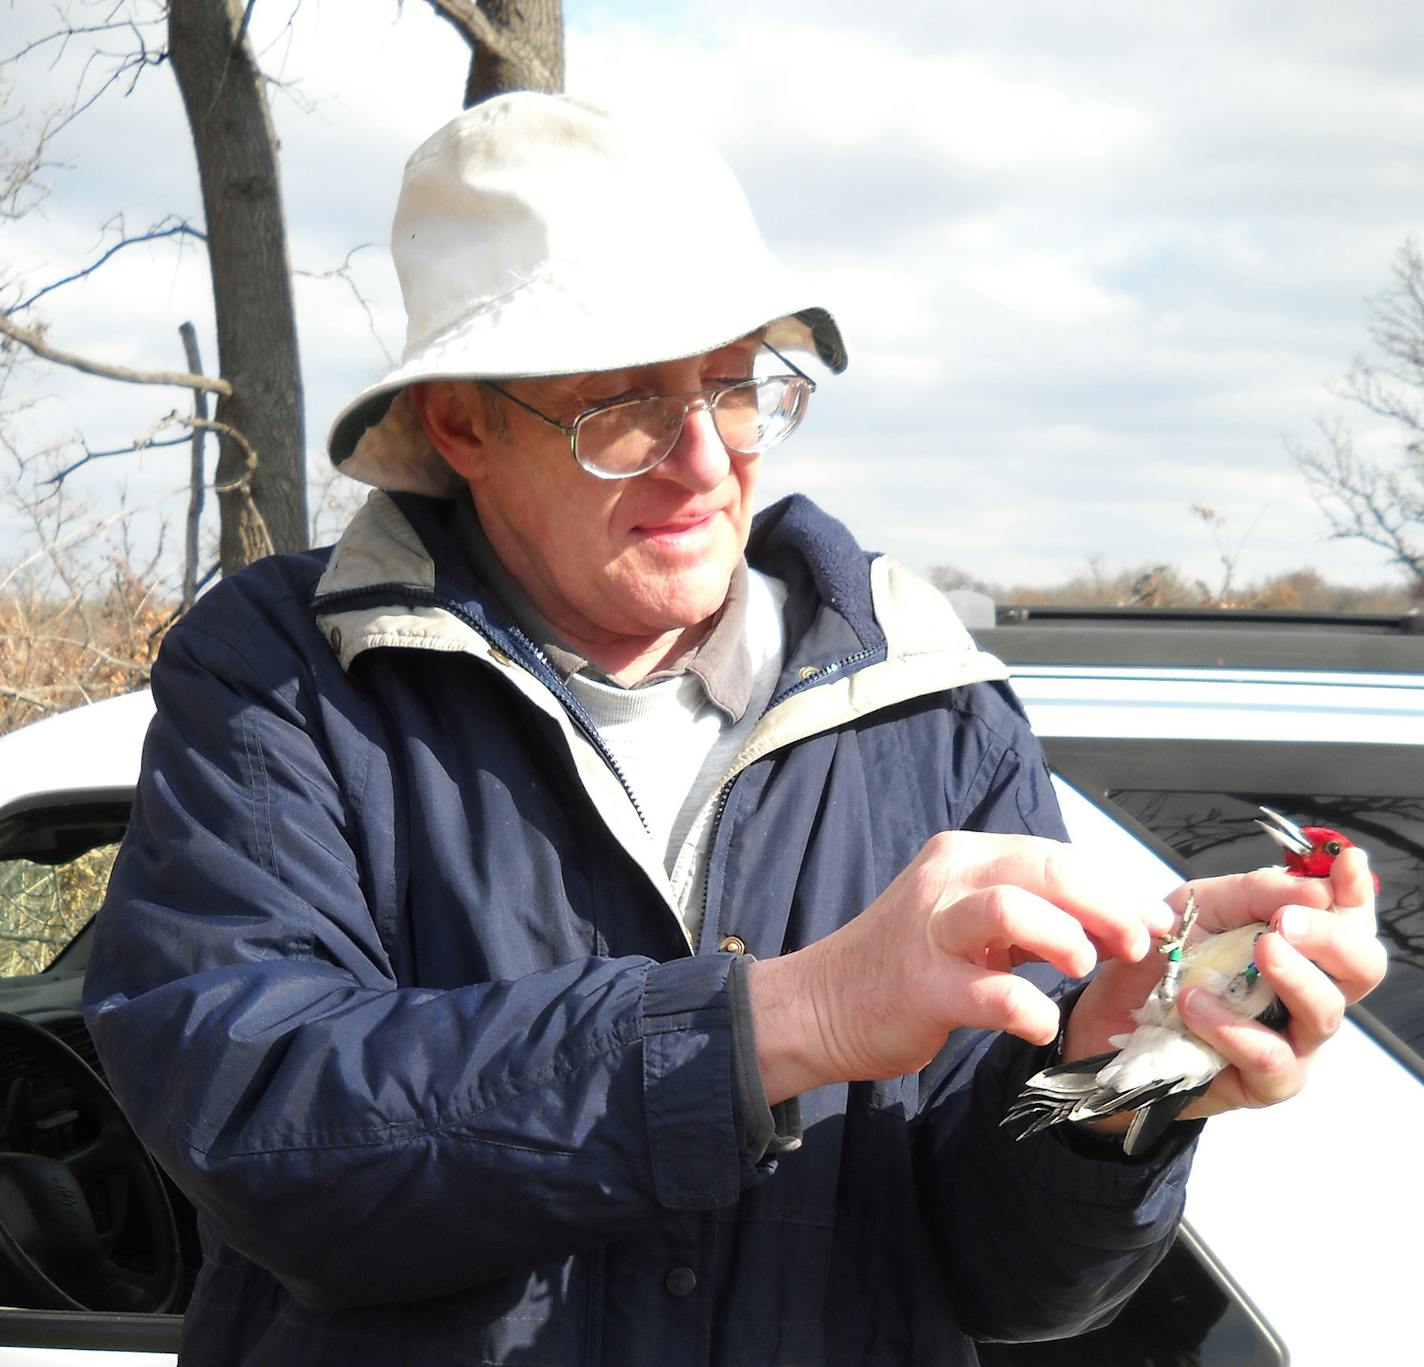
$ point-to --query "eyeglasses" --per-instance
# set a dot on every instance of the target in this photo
(626, 437)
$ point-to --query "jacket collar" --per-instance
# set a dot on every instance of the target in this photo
(397, 577)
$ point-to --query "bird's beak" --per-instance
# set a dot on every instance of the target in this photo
(1284, 832)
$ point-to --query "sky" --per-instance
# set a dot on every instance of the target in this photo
(1095, 264)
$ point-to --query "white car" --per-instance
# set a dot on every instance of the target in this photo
(1177, 726)
(1164, 737)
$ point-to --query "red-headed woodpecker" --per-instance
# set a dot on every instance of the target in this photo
(1158, 1068)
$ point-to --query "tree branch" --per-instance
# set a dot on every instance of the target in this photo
(127, 62)
(34, 342)
(473, 26)
(242, 26)
(62, 37)
(476, 29)
(20, 695)
(140, 444)
(180, 229)
(343, 273)
(242, 483)
(1358, 500)
(189, 334)
(53, 546)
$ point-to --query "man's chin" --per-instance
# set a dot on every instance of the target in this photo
(692, 604)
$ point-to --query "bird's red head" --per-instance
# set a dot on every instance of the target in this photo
(1310, 851)
(1325, 845)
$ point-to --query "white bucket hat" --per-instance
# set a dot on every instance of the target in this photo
(536, 235)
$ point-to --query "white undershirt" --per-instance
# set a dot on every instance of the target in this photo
(675, 747)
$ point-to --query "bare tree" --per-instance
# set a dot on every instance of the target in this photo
(1362, 498)
(261, 477)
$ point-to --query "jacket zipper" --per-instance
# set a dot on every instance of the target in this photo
(725, 793)
(811, 680)
(570, 703)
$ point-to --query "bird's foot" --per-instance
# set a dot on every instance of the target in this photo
(1172, 947)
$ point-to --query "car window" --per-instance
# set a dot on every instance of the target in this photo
(44, 905)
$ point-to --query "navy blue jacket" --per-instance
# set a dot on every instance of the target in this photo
(389, 981)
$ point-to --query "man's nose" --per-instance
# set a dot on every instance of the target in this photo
(700, 460)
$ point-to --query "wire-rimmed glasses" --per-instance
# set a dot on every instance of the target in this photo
(622, 438)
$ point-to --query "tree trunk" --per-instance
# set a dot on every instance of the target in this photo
(532, 58)
(514, 44)
(262, 502)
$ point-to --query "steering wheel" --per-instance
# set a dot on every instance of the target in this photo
(87, 1227)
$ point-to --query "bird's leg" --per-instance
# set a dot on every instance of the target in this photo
(1172, 948)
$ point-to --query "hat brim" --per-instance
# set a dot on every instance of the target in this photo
(377, 438)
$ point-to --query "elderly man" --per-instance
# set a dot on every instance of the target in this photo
(576, 921)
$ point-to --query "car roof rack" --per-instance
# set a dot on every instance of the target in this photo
(1408, 623)
(1246, 638)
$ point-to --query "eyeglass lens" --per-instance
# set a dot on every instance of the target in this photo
(634, 436)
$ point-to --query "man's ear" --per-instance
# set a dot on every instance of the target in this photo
(453, 419)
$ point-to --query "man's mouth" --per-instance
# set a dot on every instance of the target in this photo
(676, 526)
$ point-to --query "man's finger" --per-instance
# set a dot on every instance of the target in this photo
(1269, 1067)
(1351, 880)
(1005, 918)
(1119, 922)
(1315, 1003)
(1355, 960)
(1002, 1001)
(1234, 900)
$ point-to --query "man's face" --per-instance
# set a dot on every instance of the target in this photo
(610, 561)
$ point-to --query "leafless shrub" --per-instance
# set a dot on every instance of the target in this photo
(82, 611)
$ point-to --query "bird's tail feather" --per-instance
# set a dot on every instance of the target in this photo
(1071, 1091)
(1079, 1067)
(1050, 1096)
(1149, 1124)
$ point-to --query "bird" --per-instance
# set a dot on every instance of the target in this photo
(1159, 1067)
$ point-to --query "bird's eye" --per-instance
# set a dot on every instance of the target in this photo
(1333, 847)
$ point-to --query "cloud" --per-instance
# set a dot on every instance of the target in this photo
(1092, 261)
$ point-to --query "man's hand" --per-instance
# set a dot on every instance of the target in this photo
(934, 951)
(1318, 961)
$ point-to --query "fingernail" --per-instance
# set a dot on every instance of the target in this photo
(1293, 923)
(1161, 919)
(1194, 1001)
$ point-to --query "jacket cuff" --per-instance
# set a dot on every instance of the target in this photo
(689, 1084)
(766, 1130)
(1074, 1166)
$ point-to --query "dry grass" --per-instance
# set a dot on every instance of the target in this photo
(59, 651)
